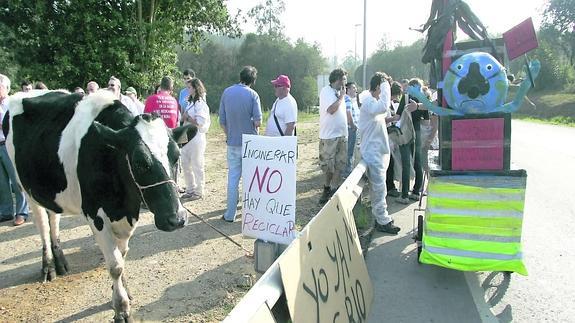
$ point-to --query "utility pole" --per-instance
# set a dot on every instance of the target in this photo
(355, 43)
(364, 83)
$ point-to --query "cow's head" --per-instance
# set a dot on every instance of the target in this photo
(151, 155)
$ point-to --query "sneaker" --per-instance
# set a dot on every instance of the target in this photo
(387, 228)
(403, 200)
(413, 196)
(191, 196)
(224, 218)
(325, 195)
(393, 193)
(20, 219)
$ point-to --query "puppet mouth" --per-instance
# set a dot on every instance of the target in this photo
(472, 106)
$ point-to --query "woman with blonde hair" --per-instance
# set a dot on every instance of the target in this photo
(196, 113)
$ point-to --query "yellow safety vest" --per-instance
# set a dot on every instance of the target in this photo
(473, 221)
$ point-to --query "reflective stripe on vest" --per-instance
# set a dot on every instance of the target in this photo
(472, 254)
(468, 236)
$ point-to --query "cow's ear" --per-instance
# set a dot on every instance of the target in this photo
(184, 134)
(109, 136)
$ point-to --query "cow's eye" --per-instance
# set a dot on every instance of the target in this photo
(141, 163)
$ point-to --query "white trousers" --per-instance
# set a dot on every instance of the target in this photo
(376, 171)
(192, 155)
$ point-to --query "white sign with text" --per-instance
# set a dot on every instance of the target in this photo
(269, 187)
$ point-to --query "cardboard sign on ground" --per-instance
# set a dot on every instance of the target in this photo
(324, 274)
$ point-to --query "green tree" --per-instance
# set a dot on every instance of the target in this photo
(266, 17)
(400, 62)
(350, 64)
(67, 43)
(275, 56)
(215, 64)
(560, 16)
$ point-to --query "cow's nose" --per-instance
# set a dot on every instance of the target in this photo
(182, 217)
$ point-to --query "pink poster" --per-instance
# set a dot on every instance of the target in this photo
(520, 39)
(477, 144)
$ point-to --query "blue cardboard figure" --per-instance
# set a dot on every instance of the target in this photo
(477, 84)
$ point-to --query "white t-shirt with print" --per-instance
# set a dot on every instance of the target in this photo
(285, 111)
(331, 125)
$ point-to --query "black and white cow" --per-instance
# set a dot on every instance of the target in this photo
(89, 155)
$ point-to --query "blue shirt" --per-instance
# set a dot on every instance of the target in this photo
(351, 105)
(239, 108)
(183, 98)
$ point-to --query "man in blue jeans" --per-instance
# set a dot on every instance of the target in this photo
(240, 113)
(8, 182)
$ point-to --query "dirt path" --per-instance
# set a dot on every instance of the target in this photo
(191, 275)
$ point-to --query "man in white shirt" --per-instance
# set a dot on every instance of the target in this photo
(115, 86)
(332, 132)
(283, 116)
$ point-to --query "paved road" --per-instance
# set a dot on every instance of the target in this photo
(408, 292)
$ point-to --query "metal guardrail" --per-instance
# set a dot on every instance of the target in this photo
(269, 289)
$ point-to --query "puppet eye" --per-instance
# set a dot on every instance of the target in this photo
(459, 67)
(489, 67)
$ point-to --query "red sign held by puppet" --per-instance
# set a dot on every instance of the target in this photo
(520, 39)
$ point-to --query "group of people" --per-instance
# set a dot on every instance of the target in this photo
(382, 121)
(387, 125)
(193, 109)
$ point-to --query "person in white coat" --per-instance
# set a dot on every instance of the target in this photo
(374, 148)
(197, 113)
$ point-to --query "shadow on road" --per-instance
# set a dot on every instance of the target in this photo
(406, 291)
(217, 289)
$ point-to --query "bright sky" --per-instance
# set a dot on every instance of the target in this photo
(331, 22)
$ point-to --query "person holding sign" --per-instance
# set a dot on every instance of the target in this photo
(240, 113)
(283, 116)
(374, 148)
(196, 113)
(332, 132)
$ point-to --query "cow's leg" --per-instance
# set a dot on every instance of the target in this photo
(123, 246)
(43, 225)
(123, 230)
(108, 243)
(59, 259)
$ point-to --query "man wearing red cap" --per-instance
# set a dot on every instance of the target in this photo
(283, 115)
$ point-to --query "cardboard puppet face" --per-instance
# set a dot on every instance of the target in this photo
(475, 83)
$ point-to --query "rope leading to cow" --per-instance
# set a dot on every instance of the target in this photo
(249, 254)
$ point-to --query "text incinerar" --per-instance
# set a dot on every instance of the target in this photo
(280, 155)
